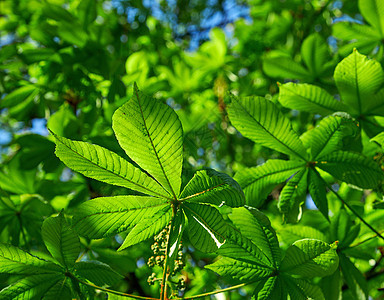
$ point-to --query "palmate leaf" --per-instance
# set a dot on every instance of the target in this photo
(258, 182)
(106, 216)
(104, 165)
(357, 79)
(310, 258)
(328, 135)
(61, 241)
(207, 229)
(309, 98)
(261, 121)
(150, 225)
(353, 168)
(151, 134)
(274, 279)
(209, 186)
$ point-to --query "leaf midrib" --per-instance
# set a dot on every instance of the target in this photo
(118, 175)
(203, 221)
(316, 103)
(357, 85)
(153, 146)
(118, 211)
(270, 134)
(327, 140)
(271, 174)
(202, 192)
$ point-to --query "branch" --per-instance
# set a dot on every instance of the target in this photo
(220, 291)
(350, 207)
(112, 291)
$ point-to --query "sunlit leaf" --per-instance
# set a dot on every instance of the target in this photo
(260, 120)
(310, 258)
(151, 134)
(209, 186)
(106, 216)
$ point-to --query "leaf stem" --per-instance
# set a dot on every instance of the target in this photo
(163, 291)
(112, 291)
(352, 209)
(364, 241)
(219, 291)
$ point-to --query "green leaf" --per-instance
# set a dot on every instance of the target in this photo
(331, 286)
(300, 289)
(61, 241)
(353, 168)
(210, 186)
(60, 291)
(31, 56)
(357, 79)
(78, 37)
(292, 233)
(261, 121)
(271, 289)
(150, 225)
(176, 236)
(239, 269)
(286, 68)
(35, 287)
(97, 272)
(379, 139)
(207, 229)
(58, 13)
(19, 95)
(317, 190)
(241, 248)
(104, 165)
(310, 258)
(342, 229)
(309, 98)
(373, 12)
(315, 53)
(87, 12)
(356, 281)
(375, 107)
(16, 261)
(107, 216)
(362, 37)
(328, 135)
(63, 122)
(150, 132)
(255, 226)
(292, 196)
(258, 182)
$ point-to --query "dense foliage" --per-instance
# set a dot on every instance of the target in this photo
(151, 153)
